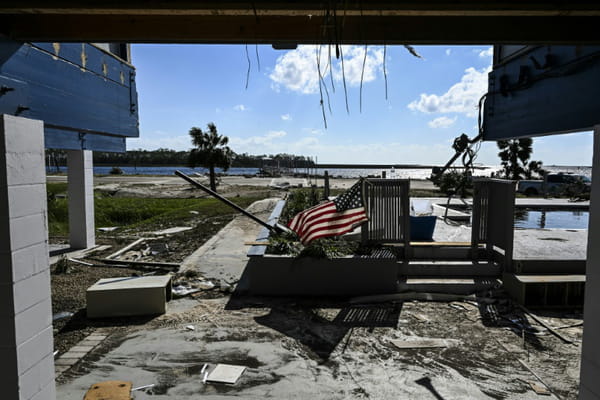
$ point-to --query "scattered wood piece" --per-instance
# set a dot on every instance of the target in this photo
(96, 249)
(175, 229)
(126, 248)
(463, 305)
(156, 264)
(409, 296)
(528, 368)
(539, 389)
(545, 325)
(225, 373)
(115, 390)
(76, 261)
(570, 325)
(143, 387)
(420, 317)
(256, 243)
(419, 343)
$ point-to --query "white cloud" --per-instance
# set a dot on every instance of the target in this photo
(354, 57)
(448, 52)
(297, 70)
(286, 117)
(442, 122)
(487, 52)
(462, 97)
(313, 131)
(256, 144)
(240, 107)
(276, 134)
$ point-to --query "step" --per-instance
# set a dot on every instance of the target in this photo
(453, 285)
(546, 290)
(442, 269)
(542, 267)
(436, 251)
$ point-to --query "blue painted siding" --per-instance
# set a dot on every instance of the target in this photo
(85, 96)
(543, 90)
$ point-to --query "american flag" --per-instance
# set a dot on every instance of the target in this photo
(331, 218)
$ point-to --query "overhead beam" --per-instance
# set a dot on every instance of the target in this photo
(304, 8)
(341, 21)
(171, 28)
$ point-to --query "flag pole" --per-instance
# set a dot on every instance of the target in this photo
(277, 228)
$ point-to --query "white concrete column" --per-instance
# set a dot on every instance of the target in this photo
(81, 199)
(589, 387)
(26, 344)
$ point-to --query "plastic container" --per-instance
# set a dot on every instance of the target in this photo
(421, 228)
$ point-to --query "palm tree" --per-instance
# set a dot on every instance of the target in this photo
(514, 156)
(211, 151)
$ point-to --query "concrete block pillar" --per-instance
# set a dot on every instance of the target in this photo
(81, 199)
(589, 387)
(26, 343)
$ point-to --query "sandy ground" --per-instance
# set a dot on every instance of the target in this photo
(173, 186)
(325, 349)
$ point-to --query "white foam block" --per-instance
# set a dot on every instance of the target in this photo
(225, 373)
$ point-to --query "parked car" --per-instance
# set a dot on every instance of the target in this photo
(554, 184)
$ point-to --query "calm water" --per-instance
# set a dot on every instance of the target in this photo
(551, 219)
(412, 173)
(104, 170)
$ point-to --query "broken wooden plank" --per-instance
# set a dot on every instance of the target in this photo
(139, 263)
(545, 325)
(96, 249)
(126, 248)
(256, 243)
(539, 389)
(570, 325)
(528, 368)
(419, 343)
(75, 260)
(115, 390)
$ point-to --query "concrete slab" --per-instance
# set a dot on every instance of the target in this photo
(316, 352)
(223, 257)
(126, 296)
(291, 354)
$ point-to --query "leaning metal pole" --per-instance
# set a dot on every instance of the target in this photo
(276, 228)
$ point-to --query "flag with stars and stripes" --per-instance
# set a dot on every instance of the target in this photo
(331, 218)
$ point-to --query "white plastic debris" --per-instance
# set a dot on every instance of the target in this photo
(108, 228)
(225, 373)
(62, 315)
(420, 207)
(190, 327)
(181, 291)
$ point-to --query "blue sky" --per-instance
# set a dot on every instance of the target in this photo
(430, 102)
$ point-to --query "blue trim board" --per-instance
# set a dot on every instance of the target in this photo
(86, 97)
(72, 140)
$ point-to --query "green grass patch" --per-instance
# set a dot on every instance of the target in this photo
(140, 213)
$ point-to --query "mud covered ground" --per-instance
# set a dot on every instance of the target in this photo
(69, 285)
(294, 348)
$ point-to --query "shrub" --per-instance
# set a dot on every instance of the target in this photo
(116, 171)
(454, 182)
